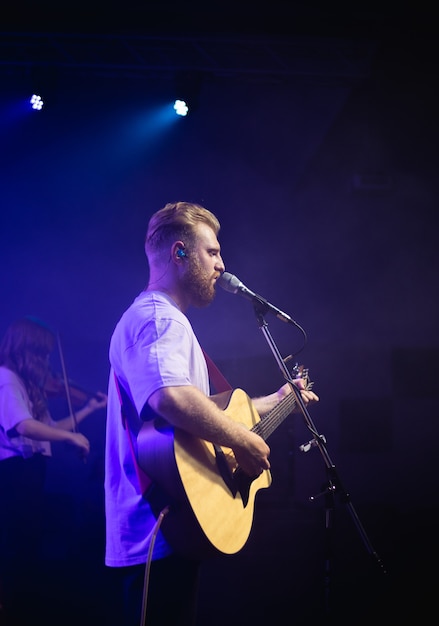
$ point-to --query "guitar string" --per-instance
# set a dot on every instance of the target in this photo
(266, 426)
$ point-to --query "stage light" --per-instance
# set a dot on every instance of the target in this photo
(187, 87)
(181, 108)
(36, 102)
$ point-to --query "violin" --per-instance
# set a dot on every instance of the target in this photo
(55, 387)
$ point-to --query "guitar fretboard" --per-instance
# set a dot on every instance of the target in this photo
(268, 424)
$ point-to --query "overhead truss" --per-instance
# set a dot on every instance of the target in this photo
(263, 58)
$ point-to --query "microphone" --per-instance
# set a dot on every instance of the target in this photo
(232, 284)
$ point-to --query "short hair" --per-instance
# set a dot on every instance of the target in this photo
(177, 220)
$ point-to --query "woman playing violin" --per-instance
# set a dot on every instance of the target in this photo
(26, 433)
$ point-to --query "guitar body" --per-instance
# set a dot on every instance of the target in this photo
(211, 501)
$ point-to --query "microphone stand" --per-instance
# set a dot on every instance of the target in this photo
(334, 484)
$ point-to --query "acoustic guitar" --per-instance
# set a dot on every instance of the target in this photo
(211, 500)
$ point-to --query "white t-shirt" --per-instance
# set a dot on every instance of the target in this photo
(15, 406)
(153, 346)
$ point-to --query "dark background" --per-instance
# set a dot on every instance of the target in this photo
(314, 140)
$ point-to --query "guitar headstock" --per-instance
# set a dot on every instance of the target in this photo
(302, 373)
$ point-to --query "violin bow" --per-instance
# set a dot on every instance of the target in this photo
(66, 385)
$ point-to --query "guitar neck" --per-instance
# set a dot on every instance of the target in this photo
(268, 424)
